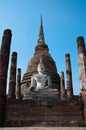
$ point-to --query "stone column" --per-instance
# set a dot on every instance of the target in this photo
(82, 62)
(18, 91)
(82, 69)
(12, 80)
(62, 88)
(4, 61)
(68, 77)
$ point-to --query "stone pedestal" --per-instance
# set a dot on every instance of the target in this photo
(42, 94)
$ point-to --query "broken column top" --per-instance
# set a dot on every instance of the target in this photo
(62, 74)
(67, 56)
(19, 71)
(81, 44)
(7, 32)
(80, 41)
(14, 53)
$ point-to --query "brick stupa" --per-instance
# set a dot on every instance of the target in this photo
(41, 49)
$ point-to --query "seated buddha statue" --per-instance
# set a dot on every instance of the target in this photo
(41, 83)
(41, 80)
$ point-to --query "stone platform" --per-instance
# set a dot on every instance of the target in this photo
(44, 113)
(44, 128)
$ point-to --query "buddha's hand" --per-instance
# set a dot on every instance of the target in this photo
(46, 86)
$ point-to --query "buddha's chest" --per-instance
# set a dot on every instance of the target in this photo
(41, 79)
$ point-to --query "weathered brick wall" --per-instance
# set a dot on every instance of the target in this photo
(44, 113)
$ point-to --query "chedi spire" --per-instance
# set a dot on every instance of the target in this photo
(41, 40)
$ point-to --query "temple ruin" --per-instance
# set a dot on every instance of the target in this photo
(66, 109)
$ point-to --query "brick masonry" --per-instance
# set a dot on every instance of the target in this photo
(44, 113)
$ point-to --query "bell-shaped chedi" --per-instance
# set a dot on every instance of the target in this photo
(41, 50)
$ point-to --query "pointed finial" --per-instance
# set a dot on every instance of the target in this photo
(41, 19)
(41, 34)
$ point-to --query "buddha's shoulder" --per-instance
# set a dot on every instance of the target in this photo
(36, 76)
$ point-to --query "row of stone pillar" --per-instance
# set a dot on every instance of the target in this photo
(14, 90)
(68, 92)
(4, 62)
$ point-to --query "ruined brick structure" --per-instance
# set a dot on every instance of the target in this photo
(68, 77)
(41, 50)
(67, 110)
(4, 61)
(12, 80)
(18, 86)
(82, 69)
(62, 87)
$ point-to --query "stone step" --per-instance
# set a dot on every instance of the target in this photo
(44, 128)
(43, 120)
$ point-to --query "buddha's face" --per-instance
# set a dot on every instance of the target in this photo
(41, 68)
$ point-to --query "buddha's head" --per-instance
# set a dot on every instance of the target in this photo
(41, 66)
